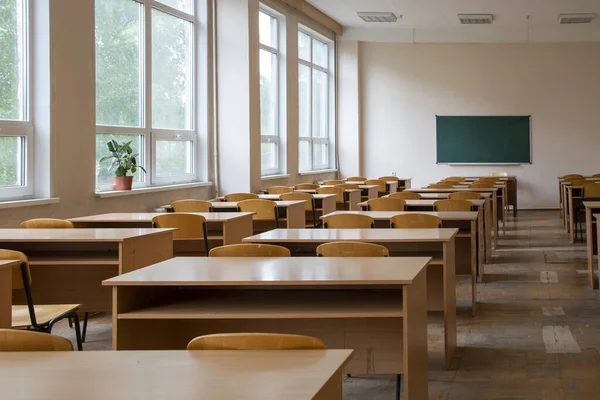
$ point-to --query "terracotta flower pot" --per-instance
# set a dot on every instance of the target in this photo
(123, 182)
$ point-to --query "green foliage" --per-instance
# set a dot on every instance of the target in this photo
(122, 157)
(9, 60)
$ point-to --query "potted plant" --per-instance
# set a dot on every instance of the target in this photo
(123, 161)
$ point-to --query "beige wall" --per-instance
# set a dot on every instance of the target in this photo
(403, 86)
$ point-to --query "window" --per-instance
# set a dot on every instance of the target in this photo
(145, 84)
(315, 102)
(16, 130)
(269, 66)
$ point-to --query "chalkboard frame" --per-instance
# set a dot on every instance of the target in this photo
(529, 162)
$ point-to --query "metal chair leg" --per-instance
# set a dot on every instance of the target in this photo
(70, 322)
(77, 332)
(84, 330)
(398, 386)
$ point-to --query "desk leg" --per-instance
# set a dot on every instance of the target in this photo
(495, 218)
(236, 229)
(449, 250)
(415, 357)
(332, 390)
(514, 193)
(474, 267)
(489, 228)
(561, 201)
(571, 216)
(296, 216)
(6, 298)
(566, 206)
(480, 249)
(589, 235)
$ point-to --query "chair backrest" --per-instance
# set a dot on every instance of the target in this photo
(250, 250)
(339, 192)
(264, 210)
(591, 191)
(348, 221)
(255, 341)
(386, 204)
(580, 182)
(465, 196)
(20, 340)
(487, 185)
(17, 276)
(491, 181)
(571, 176)
(453, 205)
(306, 186)
(308, 206)
(279, 189)
(500, 174)
(380, 184)
(348, 186)
(46, 223)
(405, 195)
(596, 176)
(356, 179)
(240, 196)
(452, 182)
(455, 179)
(333, 182)
(352, 249)
(389, 178)
(191, 205)
(440, 186)
(415, 221)
(189, 226)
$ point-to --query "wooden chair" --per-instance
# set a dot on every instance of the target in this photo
(596, 176)
(306, 186)
(571, 176)
(591, 192)
(348, 186)
(356, 179)
(580, 182)
(405, 196)
(449, 181)
(340, 197)
(486, 185)
(440, 186)
(189, 226)
(455, 179)
(500, 174)
(415, 221)
(309, 206)
(279, 189)
(348, 221)
(255, 341)
(386, 204)
(333, 182)
(191, 205)
(235, 197)
(465, 196)
(17, 340)
(250, 250)
(453, 205)
(389, 178)
(381, 185)
(40, 318)
(352, 249)
(46, 223)
(493, 181)
(264, 210)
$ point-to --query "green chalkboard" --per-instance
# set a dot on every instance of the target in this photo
(483, 140)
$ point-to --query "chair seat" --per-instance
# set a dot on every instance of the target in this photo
(43, 313)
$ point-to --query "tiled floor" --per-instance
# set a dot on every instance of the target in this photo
(503, 353)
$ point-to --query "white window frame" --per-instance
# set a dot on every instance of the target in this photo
(330, 101)
(150, 135)
(22, 128)
(278, 77)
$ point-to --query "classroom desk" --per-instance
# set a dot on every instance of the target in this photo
(68, 265)
(511, 188)
(291, 213)
(592, 208)
(502, 200)
(366, 191)
(223, 228)
(574, 194)
(390, 187)
(181, 375)
(376, 306)
(6, 267)
(562, 197)
(436, 243)
(353, 196)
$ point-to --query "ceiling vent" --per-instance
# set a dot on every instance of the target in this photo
(378, 16)
(475, 19)
(576, 18)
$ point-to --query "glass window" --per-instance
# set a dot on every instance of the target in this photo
(304, 46)
(11, 160)
(267, 27)
(186, 6)
(320, 53)
(304, 102)
(174, 157)
(268, 93)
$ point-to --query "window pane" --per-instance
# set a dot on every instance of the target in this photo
(269, 156)
(304, 155)
(174, 157)
(268, 93)
(172, 63)
(303, 46)
(104, 171)
(321, 154)
(12, 60)
(267, 29)
(303, 101)
(320, 104)
(119, 79)
(11, 160)
(320, 53)
(186, 6)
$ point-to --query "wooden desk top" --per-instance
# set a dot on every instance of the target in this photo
(451, 190)
(275, 197)
(502, 178)
(426, 202)
(76, 235)
(362, 183)
(275, 271)
(591, 204)
(359, 186)
(386, 215)
(234, 204)
(147, 217)
(9, 263)
(441, 196)
(159, 375)
(314, 192)
(362, 235)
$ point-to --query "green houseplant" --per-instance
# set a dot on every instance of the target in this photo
(123, 161)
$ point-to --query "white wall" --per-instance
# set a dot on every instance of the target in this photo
(403, 86)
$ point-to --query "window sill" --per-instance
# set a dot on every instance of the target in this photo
(271, 177)
(321, 171)
(151, 189)
(28, 202)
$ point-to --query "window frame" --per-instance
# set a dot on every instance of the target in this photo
(149, 134)
(23, 127)
(330, 71)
